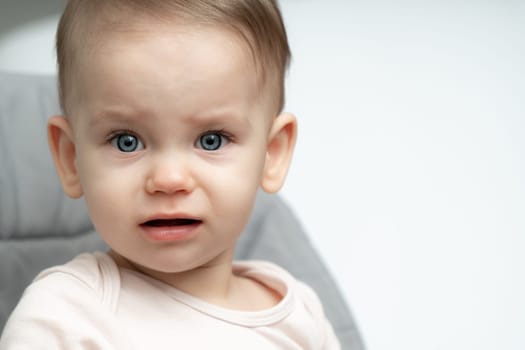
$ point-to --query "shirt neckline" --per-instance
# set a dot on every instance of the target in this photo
(263, 272)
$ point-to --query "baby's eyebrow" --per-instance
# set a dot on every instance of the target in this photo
(207, 119)
(114, 115)
(218, 118)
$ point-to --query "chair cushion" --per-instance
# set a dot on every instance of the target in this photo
(32, 203)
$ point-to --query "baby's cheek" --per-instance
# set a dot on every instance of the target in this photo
(237, 202)
(105, 194)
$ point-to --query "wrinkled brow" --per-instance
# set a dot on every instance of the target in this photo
(114, 115)
(209, 118)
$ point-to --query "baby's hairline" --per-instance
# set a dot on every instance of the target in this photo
(270, 79)
(266, 95)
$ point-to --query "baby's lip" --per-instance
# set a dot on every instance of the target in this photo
(171, 220)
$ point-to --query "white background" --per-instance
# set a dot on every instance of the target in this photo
(409, 172)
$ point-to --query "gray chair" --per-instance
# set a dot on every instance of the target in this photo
(40, 226)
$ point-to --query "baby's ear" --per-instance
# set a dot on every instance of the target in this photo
(279, 152)
(62, 146)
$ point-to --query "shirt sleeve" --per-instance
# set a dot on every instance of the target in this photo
(327, 336)
(61, 312)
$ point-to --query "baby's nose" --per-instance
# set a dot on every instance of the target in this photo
(170, 174)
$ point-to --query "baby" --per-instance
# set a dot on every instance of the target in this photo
(172, 123)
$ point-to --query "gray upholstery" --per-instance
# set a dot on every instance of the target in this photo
(40, 227)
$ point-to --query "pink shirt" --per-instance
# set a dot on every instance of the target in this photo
(91, 303)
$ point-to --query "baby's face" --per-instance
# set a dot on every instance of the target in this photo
(171, 139)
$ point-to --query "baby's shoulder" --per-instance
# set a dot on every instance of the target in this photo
(88, 270)
(89, 276)
(281, 280)
(66, 304)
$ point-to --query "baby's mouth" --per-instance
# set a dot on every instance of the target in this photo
(171, 222)
(171, 229)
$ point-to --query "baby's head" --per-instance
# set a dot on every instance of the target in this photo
(172, 122)
(257, 24)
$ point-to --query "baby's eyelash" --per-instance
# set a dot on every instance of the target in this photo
(119, 132)
(116, 133)
(228, 136)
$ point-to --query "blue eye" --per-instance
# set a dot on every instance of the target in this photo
(212, 141)
(127, 143)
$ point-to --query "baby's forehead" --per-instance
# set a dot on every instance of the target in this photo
(102, 38)
(220, 45)
(206, 58)
(170, 48)
(95, 31)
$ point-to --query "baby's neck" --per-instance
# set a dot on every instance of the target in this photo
(215, 283)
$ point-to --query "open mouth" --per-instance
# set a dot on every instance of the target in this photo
(171, 229)
(171, 222)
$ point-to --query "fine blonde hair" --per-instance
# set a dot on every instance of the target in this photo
(258, 22)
